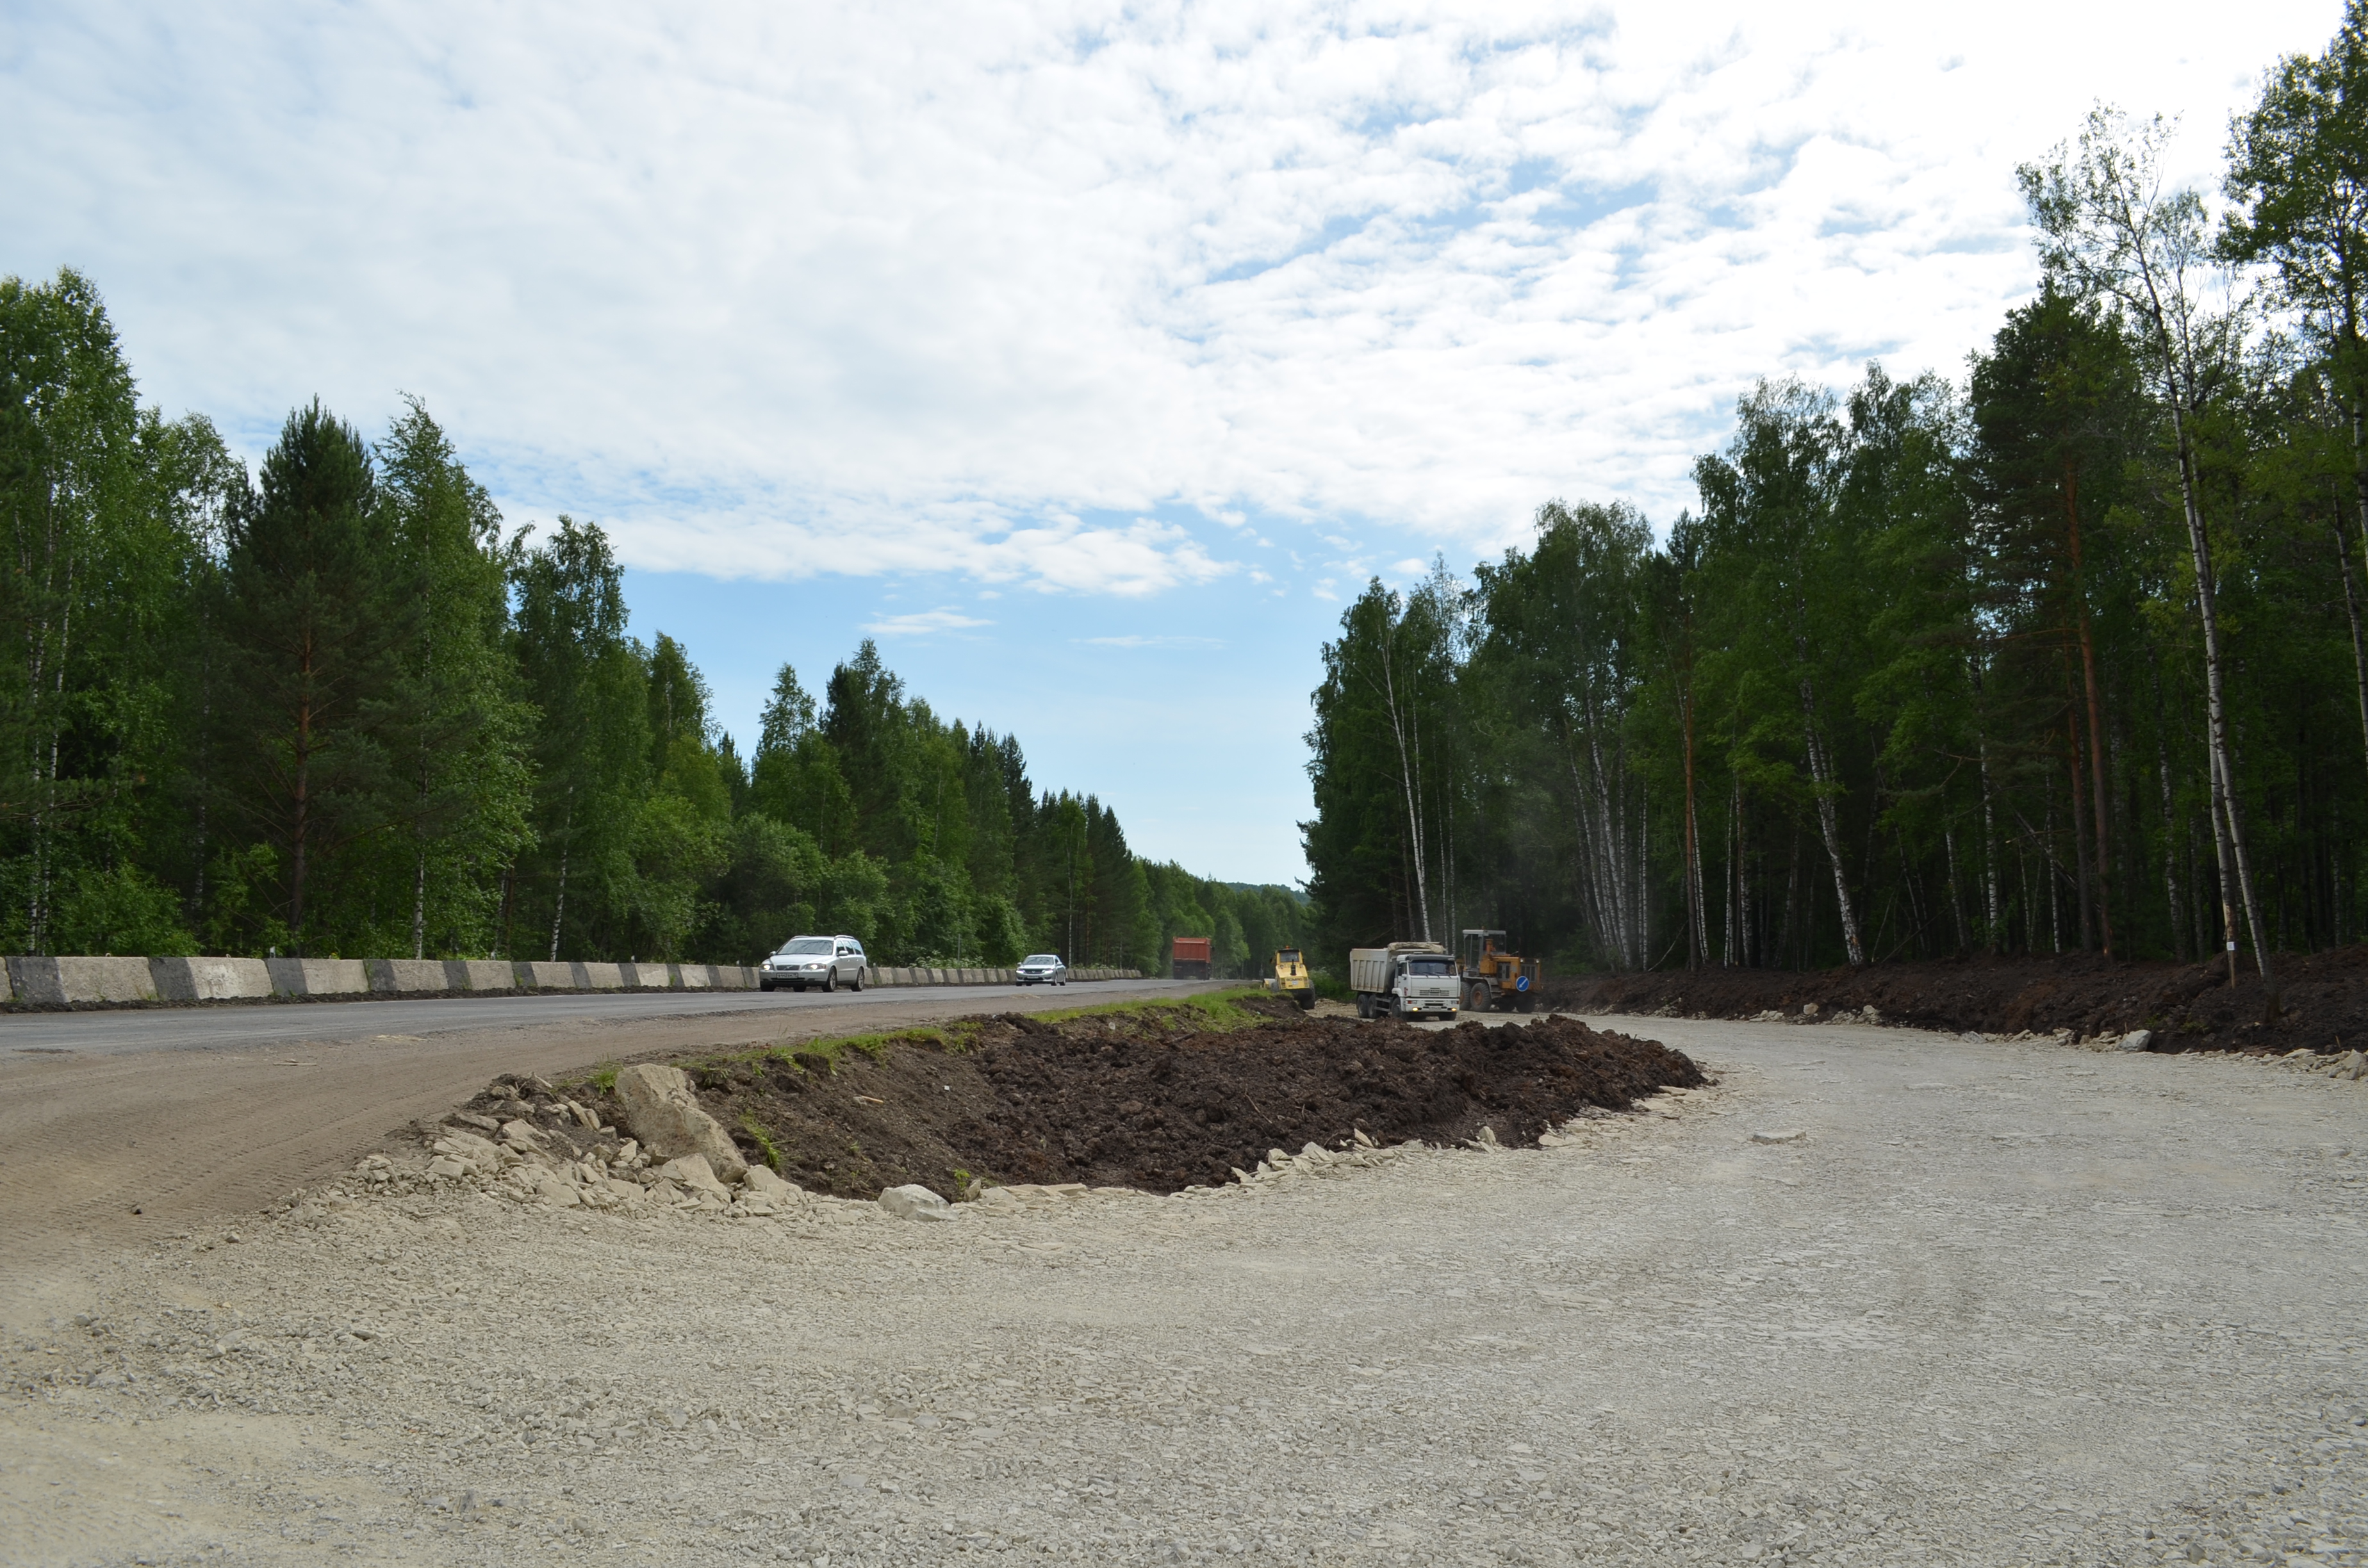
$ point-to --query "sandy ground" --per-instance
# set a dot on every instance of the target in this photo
(120, 1128)
(2003, 1304)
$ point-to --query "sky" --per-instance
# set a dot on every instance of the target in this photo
(1089, 357)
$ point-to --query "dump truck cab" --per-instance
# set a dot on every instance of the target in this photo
(1494, 980)
(1290, 977)
(1405, 980)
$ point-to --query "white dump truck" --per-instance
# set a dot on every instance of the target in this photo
(1406, 980)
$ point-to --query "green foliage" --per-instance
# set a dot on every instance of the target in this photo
(763, 1140)
(119, 909)
(1927, 673)
(336, 709)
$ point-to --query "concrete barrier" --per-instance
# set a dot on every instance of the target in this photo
(124, 981)
(318, 977)
(483, 974)
(61, 982)
(403, 977)
(898, 974)
(211, 980)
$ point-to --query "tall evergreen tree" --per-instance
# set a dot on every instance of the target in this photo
(315, 619)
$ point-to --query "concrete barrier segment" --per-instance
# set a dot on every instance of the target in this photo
(485, 974)
(105, 979)
(36, 981)
(407, 977)
(209, 979)
(66, 982)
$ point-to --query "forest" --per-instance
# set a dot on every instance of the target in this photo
(2063, 656)
(336, 707)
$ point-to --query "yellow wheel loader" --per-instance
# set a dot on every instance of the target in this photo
(1496, 980)
(1290, 977)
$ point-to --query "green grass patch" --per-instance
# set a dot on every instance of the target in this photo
(1214, 1012)
(604, 1079)
(831, 1050)
(764, 1141)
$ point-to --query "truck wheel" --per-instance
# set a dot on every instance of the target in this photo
(1364, 1006)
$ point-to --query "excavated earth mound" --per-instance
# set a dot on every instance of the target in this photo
(2324, 998)
(1151, 1099)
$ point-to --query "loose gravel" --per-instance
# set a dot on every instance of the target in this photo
(1967, 1303)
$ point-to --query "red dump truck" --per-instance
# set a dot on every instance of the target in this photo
(1188, 959)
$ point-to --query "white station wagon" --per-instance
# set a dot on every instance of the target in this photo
(826, 961)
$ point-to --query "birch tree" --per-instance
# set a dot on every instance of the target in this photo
(2115, 229)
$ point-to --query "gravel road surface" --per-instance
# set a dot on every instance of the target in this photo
(185, 1113)
(2001, 1304)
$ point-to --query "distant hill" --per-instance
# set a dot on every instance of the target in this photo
(1294, 894)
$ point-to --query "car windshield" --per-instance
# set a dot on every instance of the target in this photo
(1034, 959)
(1427, 966)
(806, 947)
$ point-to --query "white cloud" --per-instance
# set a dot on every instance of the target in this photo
(1139, 559)
(922, 623)
(1134, 642)
(830, 288)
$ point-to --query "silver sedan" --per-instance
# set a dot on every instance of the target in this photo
(1042, 969)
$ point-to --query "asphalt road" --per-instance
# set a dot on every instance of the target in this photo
(231, 1026)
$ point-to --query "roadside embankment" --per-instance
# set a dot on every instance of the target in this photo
(52, 984)
(2323, 998)
(1155, 1097)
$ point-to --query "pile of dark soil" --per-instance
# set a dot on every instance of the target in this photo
(1152, 1099)
(2189, 1006)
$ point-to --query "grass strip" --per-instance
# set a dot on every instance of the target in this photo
(1216, 1012)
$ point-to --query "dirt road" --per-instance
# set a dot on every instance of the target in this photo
(188, 1114)
(2001, 1304)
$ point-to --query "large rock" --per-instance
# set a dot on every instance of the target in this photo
(2136, 1039)
(762, 1180)
(916, 1202)
(693, 1172)
(661, 1111)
